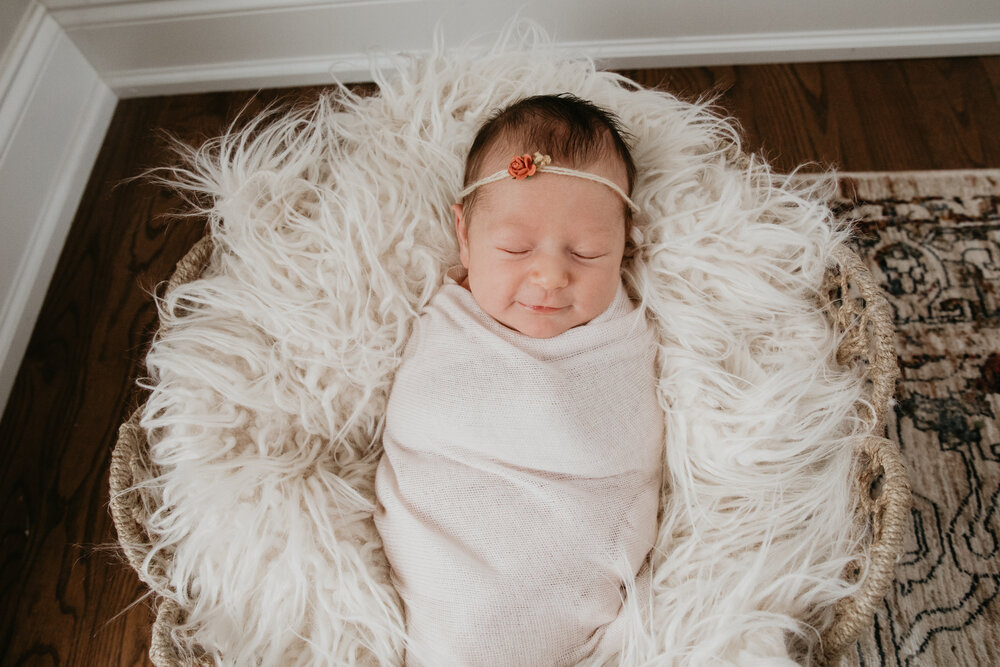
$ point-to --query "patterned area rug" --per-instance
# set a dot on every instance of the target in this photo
(932, 239)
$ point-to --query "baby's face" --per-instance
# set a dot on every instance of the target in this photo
(544, 254)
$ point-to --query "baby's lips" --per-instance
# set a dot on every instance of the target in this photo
(542, 309)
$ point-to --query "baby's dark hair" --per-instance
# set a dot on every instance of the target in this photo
(573, 131)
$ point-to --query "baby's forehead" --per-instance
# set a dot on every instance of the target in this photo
(596, 228)
(505, 216)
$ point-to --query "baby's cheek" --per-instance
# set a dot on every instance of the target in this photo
(483, 291)
(602, 290)
(493, 283)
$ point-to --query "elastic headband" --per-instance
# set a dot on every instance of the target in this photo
(525, 166)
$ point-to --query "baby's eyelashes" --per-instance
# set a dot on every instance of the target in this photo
(576, 254)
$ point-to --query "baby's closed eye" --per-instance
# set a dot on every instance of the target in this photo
(579, 254)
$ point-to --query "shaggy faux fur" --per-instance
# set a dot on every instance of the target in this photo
(332, 230)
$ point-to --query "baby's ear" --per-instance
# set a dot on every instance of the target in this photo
(462, 232)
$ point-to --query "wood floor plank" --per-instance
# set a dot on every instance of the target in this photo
(64, 596)
(857, 116)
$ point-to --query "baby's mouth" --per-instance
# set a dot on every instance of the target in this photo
(541, 310)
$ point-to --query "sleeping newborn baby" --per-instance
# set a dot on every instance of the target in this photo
(519, 485)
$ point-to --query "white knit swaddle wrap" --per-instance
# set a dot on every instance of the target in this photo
(520, 482)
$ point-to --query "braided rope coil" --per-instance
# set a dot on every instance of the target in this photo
(858, 308)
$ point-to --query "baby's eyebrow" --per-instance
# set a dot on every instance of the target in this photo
(511, 231)
(510, 228)
(517, 226)
(518, 221)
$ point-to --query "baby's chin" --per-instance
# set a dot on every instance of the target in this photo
(539, 326)
(540, 333)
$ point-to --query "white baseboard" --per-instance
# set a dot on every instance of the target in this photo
(621, 54)
(159, 47)
(54, 112)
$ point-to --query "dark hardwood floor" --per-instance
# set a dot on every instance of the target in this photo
(66, 596)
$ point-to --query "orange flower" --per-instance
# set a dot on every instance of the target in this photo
(521, 167)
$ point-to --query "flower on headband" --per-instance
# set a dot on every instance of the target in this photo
(521, 167)
(541, 160)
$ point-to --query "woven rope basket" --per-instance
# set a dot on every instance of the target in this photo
(856, 306)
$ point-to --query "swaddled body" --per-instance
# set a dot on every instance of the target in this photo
(520, 482)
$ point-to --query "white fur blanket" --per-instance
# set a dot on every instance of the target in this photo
(520, 482)
(269, 376)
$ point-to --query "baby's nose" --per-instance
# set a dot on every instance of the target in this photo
(550, 273)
